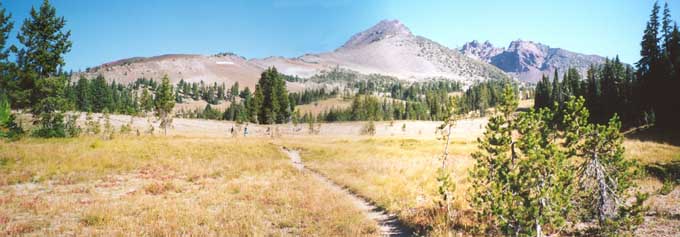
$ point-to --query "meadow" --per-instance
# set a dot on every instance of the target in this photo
(165, 186)
(217, 184)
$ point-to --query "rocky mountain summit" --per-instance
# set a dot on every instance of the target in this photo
(528, 60)
(390, 48)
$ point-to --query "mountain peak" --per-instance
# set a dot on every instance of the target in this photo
(481, 51)
(529, 60)
(384, 29)
(518, 45)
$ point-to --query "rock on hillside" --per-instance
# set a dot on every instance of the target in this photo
(528, 60)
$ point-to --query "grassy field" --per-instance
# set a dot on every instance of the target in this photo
(206, 185)
(318, 107)
(164, 186)
(399, 175)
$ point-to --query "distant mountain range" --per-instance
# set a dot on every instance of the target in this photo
(528, 60)
(388, 48)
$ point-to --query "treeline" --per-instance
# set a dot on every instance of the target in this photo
(434, 104)
(97, 95)
(211, 93)
(658, 69)
(608, 88)
(268, 104)
(309, 96)
(35, 81)
(415, 91)
(484, 95)
(370, 108)
(637, 96)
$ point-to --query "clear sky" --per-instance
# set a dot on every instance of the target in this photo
(104, 31)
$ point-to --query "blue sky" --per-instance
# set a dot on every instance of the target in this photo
(103, 31)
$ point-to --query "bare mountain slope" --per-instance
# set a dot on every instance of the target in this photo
(528, 60)
(227, 68)
(388, 48)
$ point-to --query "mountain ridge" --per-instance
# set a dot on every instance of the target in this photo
(529, 60)
(387, 48)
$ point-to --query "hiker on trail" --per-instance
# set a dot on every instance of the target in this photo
(245, 131)
(232, 130)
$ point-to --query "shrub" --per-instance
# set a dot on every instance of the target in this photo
(368, 129)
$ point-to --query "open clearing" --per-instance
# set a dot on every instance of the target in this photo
(388, 224)
(318, 107)
(165, 186)
(202, 180)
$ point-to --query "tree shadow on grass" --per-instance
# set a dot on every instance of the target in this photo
(665, 171)
(653, 134)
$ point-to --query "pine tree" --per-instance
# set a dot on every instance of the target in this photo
(556, 92)
(44, 44)
(543, 95)
(604, 175)
(542, 187)
(8, 127)
(648, 63)
(524, 176)
(49, 108)
(256, 104)
(146, 101)
(234, 91)
(271, 98)
(7, 84)
(84, 96)
(285, 111)
(674, 57)
(164, 102)
(101, 94)
(492, 170)
(666, 27)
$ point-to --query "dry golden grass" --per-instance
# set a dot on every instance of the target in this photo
(323, 105)
(648, 152)
(192, 105)
(245, 187)
(165, 186)
(526, 104)
(397, 174)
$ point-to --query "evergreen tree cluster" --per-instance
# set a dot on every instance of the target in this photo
(420, 101)
(269, 104)
(481, 96)
(658, 69)
(608, 88)
(211, 93)
(35, 80)
(638, 96)
(97, 95)
(365, 108)
(413, 92)
(309, 96)
(533, 177)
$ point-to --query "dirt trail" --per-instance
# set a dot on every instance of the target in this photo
(388, 224)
